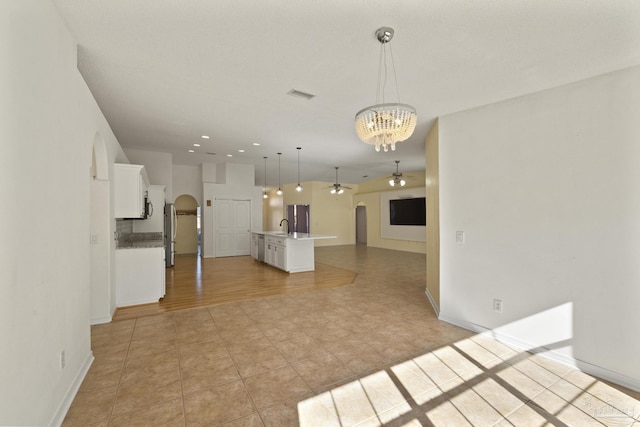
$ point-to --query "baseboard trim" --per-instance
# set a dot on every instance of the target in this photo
(589, 368)
(101, 320)
(433, 302)
(62, 410)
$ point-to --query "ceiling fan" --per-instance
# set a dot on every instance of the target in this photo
(396, 177)
(338, 188)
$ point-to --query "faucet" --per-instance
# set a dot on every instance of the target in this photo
(283, 220)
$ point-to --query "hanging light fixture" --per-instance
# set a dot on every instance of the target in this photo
(338, 188)
(279, 191)
(264, 189)
(298, 187)
(385, 124)
(396, 177)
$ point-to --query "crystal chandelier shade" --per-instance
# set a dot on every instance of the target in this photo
(383, 125)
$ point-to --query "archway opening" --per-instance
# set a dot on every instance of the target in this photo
(188, 235)
(361, 224)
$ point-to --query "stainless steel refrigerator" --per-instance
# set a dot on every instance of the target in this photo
(170, 225)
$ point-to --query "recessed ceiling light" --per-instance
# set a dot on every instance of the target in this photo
(205, 136)
(256, 143)
(229, 155)
(191, 151)
(241, 151)
(196, 145)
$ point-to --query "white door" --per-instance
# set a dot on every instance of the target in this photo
(232, 227)
(242, 227)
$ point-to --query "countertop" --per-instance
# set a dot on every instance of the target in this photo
(295, 236)
(141, 244)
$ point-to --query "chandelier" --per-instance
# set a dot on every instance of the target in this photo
(385, 124)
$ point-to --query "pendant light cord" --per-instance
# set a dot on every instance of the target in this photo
(279, 183)
(298, 165)
(382, 79)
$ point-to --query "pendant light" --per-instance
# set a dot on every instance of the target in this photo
(385, 124)
(264, 189)
(299, 187)
(279, 192)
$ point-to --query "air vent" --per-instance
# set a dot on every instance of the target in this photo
(213, 154)
(299, 94)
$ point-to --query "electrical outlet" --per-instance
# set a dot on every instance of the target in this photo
(63, 362)
(497, 305)
(459, 236)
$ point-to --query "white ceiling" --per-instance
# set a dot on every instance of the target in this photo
(165, 72)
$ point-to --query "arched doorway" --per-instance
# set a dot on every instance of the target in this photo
(361, 225)
(188, 225)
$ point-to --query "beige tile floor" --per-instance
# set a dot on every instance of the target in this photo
(367, 354)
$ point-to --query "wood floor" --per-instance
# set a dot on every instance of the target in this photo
(198, 282)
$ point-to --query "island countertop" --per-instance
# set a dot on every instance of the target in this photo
(295, 236)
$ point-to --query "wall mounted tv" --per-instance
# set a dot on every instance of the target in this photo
(408, 211)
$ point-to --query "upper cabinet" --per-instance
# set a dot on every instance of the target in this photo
(130, 188)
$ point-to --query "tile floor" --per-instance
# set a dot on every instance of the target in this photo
(366, 354)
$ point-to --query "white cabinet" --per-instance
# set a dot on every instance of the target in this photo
(276, 252)
(254, 245)
(140, 276)
(129, 190)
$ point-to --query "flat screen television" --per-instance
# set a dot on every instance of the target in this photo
(408, 211)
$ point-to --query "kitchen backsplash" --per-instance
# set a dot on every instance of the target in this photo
(125, 234)
(138, 237)
(124, 226)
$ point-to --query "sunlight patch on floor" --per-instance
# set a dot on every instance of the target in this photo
(475, 381)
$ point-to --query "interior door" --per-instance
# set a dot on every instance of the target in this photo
(242, 227)
(232, 235)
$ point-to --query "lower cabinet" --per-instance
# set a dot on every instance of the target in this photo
(254, 245)
(275, 252)
(140, 276)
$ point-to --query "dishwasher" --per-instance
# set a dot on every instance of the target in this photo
(261, 247)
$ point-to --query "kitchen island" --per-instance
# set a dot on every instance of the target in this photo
(291, 252)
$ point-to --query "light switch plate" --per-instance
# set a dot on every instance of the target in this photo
(459, 236)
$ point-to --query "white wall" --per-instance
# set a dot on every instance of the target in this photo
(49, 122)
(239, 184)
(101, 289)
(547, 189)
(159, 167)
(187, 180)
